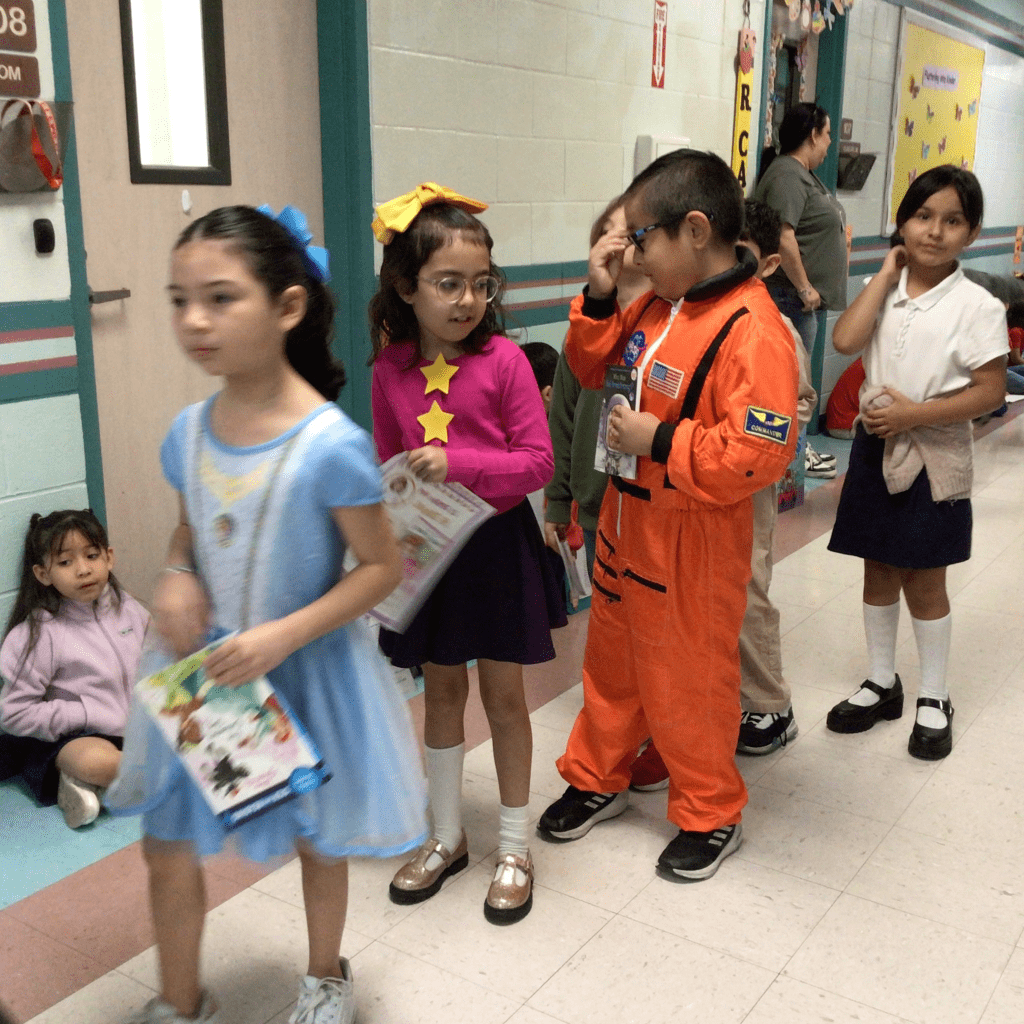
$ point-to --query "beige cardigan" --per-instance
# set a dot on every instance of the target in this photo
(946, 451)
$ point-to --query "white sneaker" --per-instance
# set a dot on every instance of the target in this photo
(326, 1000)
(79, 802)
(816, 466)
(826, 457)
(156, 1011)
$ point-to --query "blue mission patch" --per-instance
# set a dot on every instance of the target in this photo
(634, 348)
(767, 424)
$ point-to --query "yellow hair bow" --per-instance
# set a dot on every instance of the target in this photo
(397, 214)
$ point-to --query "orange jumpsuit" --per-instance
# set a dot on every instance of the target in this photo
(674, 546)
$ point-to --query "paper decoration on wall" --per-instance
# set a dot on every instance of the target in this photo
(817, 19)
(439, 375)
(794, 9)
(801, 65)
(1018, 243)
(942, 76)
(435, 423)
(743, 106)
(805, 15)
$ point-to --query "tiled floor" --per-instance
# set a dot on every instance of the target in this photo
(871, 888)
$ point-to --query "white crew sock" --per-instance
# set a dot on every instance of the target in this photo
(933, 636)
(512, 831)
(444, 785)
(880, 625)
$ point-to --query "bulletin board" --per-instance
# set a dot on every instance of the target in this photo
(936, 102)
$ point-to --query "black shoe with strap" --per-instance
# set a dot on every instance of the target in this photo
(847, 717)
(930, 744)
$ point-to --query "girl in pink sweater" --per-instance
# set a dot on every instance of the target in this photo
(69, 658)
(461, 398)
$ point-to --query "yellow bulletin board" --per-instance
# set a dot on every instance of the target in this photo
(937, 99)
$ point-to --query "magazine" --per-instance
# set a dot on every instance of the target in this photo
(432, 523)
(241, 745)
(620, 388)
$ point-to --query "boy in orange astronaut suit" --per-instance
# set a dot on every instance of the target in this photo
(716, 422)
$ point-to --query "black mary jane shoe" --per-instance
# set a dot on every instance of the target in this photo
(932, 744)
(847, 717)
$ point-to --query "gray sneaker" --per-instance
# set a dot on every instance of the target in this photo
(156, 1011)
(326, 1000)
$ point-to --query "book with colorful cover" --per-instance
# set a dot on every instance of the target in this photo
(432, 523)
(620, 388)
(242, 746)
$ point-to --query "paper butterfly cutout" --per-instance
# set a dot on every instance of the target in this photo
(942, 146)
(930, 112)
(925, 149)
(912, 175)
(914, 87)
(908, 127)
(958, 111)
(972, 107)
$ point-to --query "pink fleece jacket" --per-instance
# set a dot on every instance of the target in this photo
(79, 676)
(499, 444)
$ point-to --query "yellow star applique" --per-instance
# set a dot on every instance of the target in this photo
(439, 375)
(435, 423)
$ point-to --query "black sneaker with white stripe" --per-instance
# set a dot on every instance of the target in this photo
(577, 811)
(694, 856)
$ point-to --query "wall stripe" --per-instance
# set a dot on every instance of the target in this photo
(35, 365)
(40, 384)
(38, 334)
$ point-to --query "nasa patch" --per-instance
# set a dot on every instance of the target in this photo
(767, 424)
(634, 348)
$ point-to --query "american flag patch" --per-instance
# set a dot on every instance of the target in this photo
(666, 379)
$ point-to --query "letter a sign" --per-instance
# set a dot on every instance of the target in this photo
(660, 36)
(744, 87)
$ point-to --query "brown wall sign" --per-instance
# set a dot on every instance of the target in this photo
(19, 75)
(17, 26)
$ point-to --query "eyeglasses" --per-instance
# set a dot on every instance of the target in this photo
(451, 289)
(637, 237)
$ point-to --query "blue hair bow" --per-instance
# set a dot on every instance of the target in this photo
(315, 257)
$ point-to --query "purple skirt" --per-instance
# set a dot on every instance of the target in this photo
(499, 600)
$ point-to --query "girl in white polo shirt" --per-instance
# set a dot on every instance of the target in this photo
(934, 347)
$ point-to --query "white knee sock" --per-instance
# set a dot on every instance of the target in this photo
(512, 830)
(933, 636)
(880, 626)
(444, 784)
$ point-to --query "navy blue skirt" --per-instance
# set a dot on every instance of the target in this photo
(499, 600)
(36, 761)
(907, 530)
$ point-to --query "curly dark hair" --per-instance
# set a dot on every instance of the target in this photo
(392, 318)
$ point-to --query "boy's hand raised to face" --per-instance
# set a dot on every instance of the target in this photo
(605, 264)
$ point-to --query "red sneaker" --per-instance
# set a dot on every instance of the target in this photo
(648, 772)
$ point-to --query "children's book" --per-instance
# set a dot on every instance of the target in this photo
(620, 388)
(432, 523)
(242, 746)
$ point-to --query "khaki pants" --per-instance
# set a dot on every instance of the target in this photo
(762, 686)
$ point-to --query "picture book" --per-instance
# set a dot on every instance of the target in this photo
(241, 745)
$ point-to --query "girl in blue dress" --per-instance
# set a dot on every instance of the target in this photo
(274, 483)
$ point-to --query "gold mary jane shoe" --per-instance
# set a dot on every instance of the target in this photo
(415, 882)
(510, 896)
